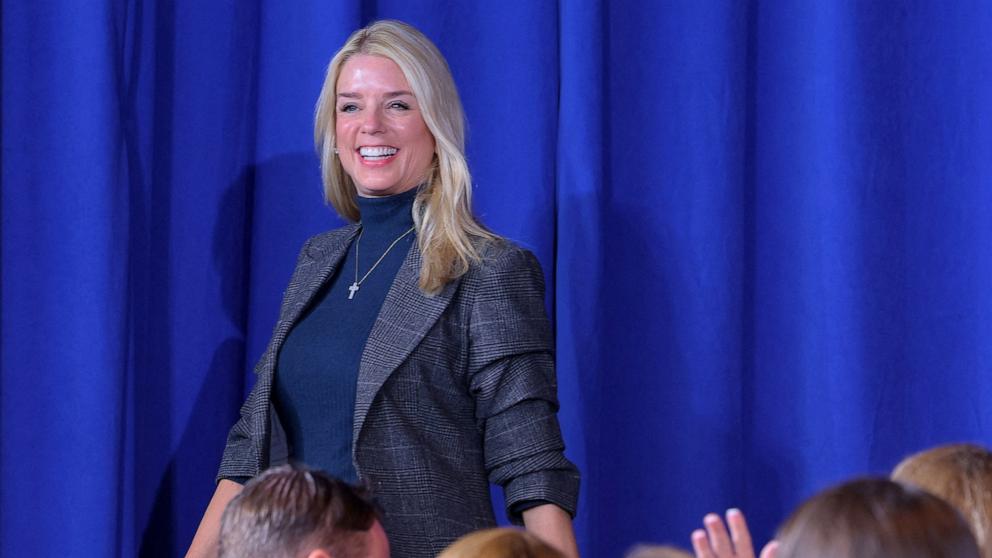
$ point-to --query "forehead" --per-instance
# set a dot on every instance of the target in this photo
(366, 71)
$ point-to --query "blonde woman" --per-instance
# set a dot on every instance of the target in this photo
(412, 351)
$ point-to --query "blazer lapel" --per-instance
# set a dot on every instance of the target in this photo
(406, 316)
(325, 260)
(324, 256)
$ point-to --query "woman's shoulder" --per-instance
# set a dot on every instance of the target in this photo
(499, 256)
(319, 244)
(505, 272)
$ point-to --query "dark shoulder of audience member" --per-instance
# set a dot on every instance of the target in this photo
(290, 511)
(869, 518)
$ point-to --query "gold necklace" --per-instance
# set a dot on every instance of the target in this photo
(358, 282)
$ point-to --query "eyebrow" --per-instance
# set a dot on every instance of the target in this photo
(390, 95)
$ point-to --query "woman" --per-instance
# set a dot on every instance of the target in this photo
(412, 350)
(961, 475)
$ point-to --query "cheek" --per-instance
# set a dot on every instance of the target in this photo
(425, 143)
(416, 132)
(341, 131)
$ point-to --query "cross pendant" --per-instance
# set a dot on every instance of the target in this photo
(352, 290)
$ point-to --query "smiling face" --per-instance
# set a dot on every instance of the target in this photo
(382, 140)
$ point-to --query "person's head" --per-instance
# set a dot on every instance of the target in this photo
(389, 119)
(292, 512)
(961, 475)
(500, 543)
(875, 517)
(657, 551)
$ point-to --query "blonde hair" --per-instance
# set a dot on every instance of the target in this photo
(961, 474)
(657, 551)
(500, 543)
(442, 211)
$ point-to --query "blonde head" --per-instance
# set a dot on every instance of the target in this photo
(657, 551)
(960, 474)
(500, 543)
(447, 232)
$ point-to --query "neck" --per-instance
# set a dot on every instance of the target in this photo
(387, 215)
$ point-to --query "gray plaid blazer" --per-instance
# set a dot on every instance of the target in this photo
(454, 391)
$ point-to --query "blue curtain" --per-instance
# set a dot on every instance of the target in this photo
(766, 227)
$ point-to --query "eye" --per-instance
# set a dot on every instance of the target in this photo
(348, 107)
(399, 105)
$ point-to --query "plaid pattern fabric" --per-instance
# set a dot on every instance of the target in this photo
(454, 391)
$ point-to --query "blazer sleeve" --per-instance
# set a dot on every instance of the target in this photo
(240, 457)
(512, 377)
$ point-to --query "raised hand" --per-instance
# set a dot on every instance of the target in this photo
(716, 542)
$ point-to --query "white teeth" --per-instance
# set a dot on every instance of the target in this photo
(377, 151)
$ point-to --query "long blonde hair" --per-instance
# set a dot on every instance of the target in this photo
(447, 231)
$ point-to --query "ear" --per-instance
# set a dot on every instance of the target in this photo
(319, 553)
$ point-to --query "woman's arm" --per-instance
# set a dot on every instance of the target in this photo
(512, 378)
(554, 526)
(204, 543)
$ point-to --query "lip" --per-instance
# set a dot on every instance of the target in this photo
(380, 163)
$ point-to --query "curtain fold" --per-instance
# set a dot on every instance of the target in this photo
(765, 230)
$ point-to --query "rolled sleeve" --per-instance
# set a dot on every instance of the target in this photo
(513, 382)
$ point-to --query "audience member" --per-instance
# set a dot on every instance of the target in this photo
(657, 551)
(500, 543)
(291, 512)
(960, 474)
(869, 518)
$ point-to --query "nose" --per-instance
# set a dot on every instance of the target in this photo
(372, 123)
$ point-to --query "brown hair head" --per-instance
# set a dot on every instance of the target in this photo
(288, 510)
(960, 474)
(868, 518)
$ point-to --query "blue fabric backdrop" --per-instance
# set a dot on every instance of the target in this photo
(767, 229)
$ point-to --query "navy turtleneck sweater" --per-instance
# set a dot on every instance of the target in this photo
(318, 365)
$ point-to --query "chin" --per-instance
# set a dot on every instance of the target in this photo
(374, 190)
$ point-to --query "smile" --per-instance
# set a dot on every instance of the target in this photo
(377, 153)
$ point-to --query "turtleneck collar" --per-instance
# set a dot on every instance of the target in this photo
(388, 214)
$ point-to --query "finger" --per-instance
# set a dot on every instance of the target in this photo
(770, 550)
(701, 544)
(719, 539)
(739, 533)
